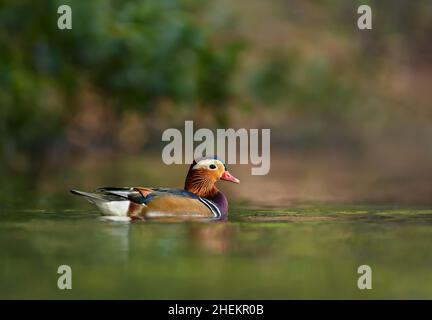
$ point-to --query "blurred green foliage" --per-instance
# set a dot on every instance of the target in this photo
(133, 53)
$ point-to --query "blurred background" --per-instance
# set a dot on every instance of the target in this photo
(350, 110)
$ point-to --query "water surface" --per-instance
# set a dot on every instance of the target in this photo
(304, 252)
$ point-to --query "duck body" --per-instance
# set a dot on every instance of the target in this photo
(199, 200)
(156, 203)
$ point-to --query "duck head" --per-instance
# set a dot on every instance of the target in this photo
(204, 173)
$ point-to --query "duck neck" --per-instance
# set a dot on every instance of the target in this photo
(200, 184)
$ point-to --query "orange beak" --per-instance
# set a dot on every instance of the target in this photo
(228, 177)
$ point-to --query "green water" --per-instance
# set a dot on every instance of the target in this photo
(308, 252)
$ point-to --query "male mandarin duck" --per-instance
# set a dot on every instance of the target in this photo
(200, 199)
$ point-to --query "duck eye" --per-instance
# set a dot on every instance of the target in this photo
(212, 166)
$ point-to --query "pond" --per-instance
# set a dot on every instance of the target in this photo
(310, 251)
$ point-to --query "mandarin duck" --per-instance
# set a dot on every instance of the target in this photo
(199, 200)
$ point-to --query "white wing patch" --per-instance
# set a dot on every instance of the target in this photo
(113, 208)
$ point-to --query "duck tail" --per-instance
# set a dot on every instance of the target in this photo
(110, 205)
(91, 197)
